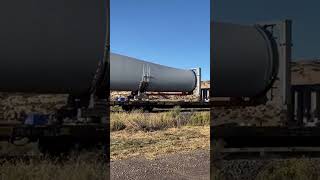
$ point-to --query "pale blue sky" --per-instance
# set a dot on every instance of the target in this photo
(304, 14)
(175, 33)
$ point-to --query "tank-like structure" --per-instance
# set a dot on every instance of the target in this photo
(51, 46)
(127, 74)
(245, 60)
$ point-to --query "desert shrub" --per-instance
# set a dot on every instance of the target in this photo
(199, 119)
(175, 113)
(139, 121)
(294, 169)
(116, 108)
(117, 125)
(216, 174)
(151, 122)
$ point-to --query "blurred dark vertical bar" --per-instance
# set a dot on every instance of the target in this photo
(211, 92)
(107, 80)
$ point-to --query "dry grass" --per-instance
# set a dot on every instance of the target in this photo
(125, 144)
(216, 174)
(294, 169)
(268, 169)
(140, 121)
(78, 167)
(153, 134)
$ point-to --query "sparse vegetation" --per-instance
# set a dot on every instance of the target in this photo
(268, 169)
(125, 144)
(13, 150)
(116, 109)
(216, 174)
(139, 121)
(81, 166)
(294, 169)
(152, 134)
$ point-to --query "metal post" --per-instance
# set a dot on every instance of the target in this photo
(198, 85)
(317, 114)
(285, 44)
(306, 106)
(294, 101)
(313, 106)
(300, 108)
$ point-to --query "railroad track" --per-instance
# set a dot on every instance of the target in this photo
(15, 159)
(20, 158)
(166, 110)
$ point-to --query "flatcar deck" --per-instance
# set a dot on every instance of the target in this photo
(75, 130)
(261, 141)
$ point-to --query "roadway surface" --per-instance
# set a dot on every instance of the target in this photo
(188, 166)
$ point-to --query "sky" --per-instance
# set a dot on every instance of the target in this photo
(304, 15)
(174, 33)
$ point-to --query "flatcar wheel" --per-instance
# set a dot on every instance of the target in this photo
(147, 109)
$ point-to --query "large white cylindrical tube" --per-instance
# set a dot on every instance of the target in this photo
(244, 60)
(127, 73)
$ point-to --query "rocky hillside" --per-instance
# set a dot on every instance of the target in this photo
(306, 72)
